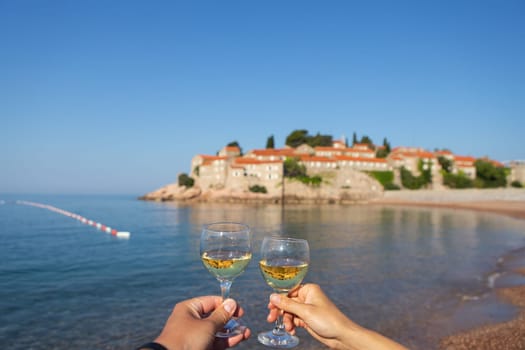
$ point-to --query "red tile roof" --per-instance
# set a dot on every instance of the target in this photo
(358, 150)
(246, 161)
(497, 163)
(208, 157)
(273, 152)
(418, 154)
(233, 148)
(464, 159)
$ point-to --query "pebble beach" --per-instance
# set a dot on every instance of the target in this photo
(506, 335)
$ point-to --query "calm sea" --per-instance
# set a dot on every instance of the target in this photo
(402, 271)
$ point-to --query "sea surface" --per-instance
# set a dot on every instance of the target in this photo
(404, 271)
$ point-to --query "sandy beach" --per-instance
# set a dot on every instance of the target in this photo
(507, 201)
(507, 335)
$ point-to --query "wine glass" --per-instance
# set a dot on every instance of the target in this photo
(226, 250)
(284, 263)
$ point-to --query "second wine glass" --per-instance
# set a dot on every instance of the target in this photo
(226, 250)
(284, 263)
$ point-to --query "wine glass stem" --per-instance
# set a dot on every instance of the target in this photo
(279, 324)
(225, 289)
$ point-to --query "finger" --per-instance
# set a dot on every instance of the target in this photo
(273, 314)
(239, 311)
(222, 314)
(206, 304)
(299, 323)
(288, 321)
(232, 341)
(224, 343)
(286, 304)
(272, 306)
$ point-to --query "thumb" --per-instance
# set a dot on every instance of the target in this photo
(222, 314)
(286, 304)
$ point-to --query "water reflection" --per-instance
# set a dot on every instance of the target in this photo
(387, 267)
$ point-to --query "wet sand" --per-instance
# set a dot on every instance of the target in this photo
(510, 288)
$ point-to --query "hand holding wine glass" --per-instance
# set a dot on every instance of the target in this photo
(226, 250)
(309, 307)
(284, 263)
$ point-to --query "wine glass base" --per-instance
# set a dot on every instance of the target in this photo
(231, 329)
(282, 341)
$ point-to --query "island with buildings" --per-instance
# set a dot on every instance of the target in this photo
(309, 171)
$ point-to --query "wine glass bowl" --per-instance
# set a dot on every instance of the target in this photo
(284, 264)
(226, 250)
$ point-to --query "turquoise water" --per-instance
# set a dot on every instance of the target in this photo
(67, 285)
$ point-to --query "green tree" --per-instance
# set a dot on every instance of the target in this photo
(490, 175)
(386, 144)
(270, 142)
(314, 181)
(368, 141)
(258, 189)
(386, 178)
(381, 153)
(354, 139)
(446, 164)
(408, 180)
(185, 180)
(384, 151)
(297, 138)
(459, 180)
(426, 173)
(320, 140)
(292, 168)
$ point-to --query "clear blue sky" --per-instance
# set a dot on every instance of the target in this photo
(118, 96)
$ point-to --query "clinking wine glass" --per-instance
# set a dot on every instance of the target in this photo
(226, 250)
(284, 263)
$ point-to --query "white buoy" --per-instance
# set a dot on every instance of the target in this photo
(123, 234)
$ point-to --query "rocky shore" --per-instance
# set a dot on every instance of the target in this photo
(296, 193)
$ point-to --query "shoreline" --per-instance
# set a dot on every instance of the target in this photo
(507, 201)
(508, 289)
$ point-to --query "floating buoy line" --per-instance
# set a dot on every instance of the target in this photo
(99, 226)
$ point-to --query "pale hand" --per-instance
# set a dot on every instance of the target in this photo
(310, 308)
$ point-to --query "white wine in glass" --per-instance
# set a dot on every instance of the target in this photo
(226, 251)
(284, 263)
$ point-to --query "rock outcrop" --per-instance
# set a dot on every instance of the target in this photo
(294, 192)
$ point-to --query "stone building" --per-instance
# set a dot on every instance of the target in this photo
(517, 171)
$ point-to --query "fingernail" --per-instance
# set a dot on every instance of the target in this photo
(229, 305)
(275, 298)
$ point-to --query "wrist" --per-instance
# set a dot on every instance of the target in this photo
(351, 335)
